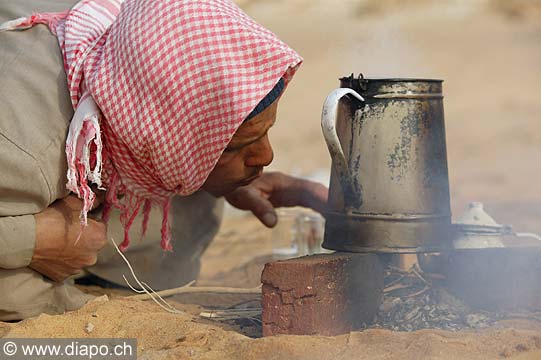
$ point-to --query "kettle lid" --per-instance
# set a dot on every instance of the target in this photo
(476, 215)
(383, 88)
(478, 230)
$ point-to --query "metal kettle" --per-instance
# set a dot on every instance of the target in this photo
(389, 187)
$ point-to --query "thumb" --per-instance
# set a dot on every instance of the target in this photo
(250, 198)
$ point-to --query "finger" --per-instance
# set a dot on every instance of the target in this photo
(315, 197)
(76, 204)
(89, 261)
(70, 208)
(303, 193)
(96, 235)
(90, 237)
(259, 206)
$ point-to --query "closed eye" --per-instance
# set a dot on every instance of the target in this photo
(240, 146)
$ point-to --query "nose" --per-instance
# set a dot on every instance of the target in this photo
(260, 154)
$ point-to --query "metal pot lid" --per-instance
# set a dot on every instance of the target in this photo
(389, 88)
(476, 229)
(476, 220)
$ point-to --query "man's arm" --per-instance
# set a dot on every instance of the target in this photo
(49, 241)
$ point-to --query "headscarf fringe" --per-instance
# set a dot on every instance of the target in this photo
(50, 19)
(127, 218)
(110, 198)
(146, 216)
(84, 133)
(166, 233)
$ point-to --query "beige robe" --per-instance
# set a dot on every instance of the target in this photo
(35, 111)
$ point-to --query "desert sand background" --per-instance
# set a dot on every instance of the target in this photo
(489, 54)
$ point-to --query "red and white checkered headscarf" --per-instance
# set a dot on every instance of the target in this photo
(164, 85)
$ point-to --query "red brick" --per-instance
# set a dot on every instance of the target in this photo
(325, 294)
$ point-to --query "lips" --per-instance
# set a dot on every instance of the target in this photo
(248, 180)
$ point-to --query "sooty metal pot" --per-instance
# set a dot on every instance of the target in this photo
(389, 187)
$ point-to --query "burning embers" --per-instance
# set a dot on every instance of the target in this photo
(413, 300)
(300, 297)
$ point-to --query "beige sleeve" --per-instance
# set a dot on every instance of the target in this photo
(35, 111)
(24, 191)
(17, 240)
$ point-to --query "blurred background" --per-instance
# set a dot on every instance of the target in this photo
(488, 52)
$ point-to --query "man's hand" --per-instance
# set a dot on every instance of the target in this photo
(274, 190)
(57, 252)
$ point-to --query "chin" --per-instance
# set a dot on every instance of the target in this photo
(222, 191)
(230, 186)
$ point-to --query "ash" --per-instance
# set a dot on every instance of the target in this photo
(412, 300)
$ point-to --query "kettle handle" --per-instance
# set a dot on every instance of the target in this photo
(328, 125)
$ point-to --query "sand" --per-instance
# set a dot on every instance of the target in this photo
(163, 335)
(488, 53)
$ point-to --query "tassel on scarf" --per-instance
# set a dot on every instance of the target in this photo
(84, 133)
(22, 23)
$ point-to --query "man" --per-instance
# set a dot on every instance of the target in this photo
(165, 104)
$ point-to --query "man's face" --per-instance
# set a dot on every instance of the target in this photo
(245, 156)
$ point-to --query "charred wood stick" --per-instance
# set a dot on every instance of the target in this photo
(395, 281)
(418, 274)
(422, 291)
(396, 287)
(397, 269)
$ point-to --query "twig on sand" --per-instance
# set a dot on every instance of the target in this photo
(232, 314)
(187, 289)
(147, 293)
(144, 287)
